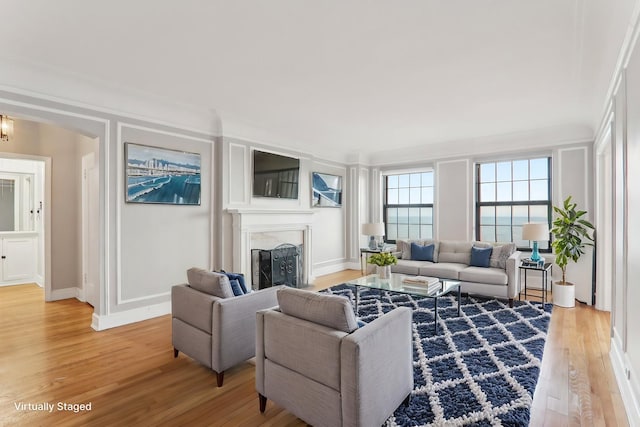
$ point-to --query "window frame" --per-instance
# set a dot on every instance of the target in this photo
(548, 202)
(386, 205)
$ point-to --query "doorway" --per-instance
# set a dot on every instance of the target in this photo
(22, 230)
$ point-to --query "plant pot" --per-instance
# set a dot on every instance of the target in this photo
(564, 294)
(384, 271)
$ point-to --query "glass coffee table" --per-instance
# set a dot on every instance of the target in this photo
(395, 284)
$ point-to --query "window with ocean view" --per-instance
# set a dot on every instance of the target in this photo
(408, 206)
(509, 194)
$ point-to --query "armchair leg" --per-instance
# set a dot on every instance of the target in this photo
(510, 302)
(220, 378)
(175, 352)
(263, 402)
(407, 401)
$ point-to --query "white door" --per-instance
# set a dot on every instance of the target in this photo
(18, 258)
(90, 230)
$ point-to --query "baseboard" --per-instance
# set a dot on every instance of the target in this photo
(20, 282)
(113, 320)
(322, 268)
(352, 266)
(39, 280)
(627, 383)
(66, 293)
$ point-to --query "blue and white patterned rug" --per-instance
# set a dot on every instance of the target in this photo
(481, 368)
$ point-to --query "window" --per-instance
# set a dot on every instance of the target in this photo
(509, 194)
(408, 206)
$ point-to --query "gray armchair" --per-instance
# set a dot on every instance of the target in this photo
(218, 332)
(314, 360)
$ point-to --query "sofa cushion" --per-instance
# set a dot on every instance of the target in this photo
(406, 266)
(404, 246)
(454, 251)
(443, 270)
(209, 282)
(480, 256)
(422, 253)
(493, 276)
(332, 311)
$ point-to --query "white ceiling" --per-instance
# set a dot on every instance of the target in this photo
(340, 77)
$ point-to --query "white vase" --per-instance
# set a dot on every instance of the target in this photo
(384, 271)
(564, 295)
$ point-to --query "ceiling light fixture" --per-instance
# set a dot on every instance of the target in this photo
(6, 128)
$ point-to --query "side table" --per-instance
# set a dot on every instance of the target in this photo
(363, 257)
(545, 272)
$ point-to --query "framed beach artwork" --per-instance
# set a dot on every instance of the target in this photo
(160, 175)
(326, 190)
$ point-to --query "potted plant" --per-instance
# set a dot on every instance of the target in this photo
(383, 261)
(572, 234)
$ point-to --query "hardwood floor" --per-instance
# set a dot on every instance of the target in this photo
(50, 354)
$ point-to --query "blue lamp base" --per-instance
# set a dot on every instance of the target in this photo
(535, 255)
(372, 243)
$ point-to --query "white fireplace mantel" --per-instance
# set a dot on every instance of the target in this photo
(249, 221)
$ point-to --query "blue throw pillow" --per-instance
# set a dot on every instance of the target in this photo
(240, 278)
(422, 253)
(235, 287)
(480, 257)
(361, 323)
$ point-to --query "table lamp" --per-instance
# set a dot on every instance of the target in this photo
(535, 231)
(373, 229)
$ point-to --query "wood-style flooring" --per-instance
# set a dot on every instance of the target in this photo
(49, 354)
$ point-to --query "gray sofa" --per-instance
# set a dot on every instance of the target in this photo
(451, 260)
(313, 359)
(211, 325)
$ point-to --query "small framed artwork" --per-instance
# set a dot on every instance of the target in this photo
(161, 175)
(326, 190)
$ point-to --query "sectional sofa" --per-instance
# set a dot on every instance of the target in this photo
(453, 260)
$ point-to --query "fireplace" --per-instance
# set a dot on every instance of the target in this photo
(262, 229)
(281, 265)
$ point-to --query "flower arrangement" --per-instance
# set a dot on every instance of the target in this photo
(382, 259)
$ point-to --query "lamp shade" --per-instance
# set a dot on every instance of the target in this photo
(373, 229)
(536, 231)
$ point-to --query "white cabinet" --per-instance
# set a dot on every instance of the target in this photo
(18, 258)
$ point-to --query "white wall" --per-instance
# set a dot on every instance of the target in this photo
(624, 110)
(159, 242)
(626, 340)
(329, 226)
(453, 200)
(572, 176)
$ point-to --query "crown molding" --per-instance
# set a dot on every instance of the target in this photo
(50, 84)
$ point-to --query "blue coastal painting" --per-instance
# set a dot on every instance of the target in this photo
(159, 175)
(327, 190)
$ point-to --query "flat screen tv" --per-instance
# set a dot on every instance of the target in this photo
(275, 175)
(326, 190)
